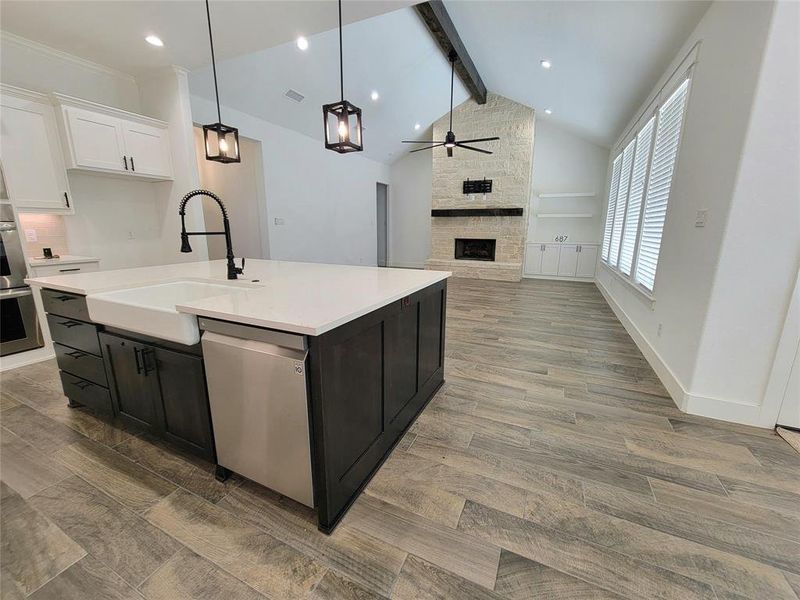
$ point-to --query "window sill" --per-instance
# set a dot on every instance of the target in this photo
(634, 286)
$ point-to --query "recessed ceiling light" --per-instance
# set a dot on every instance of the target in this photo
(374, 95)
(417, 126)
(546, 64)
(547, 111)
(154, 40)
(302, 43)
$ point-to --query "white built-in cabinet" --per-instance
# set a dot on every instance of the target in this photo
(561, 260)
(31, 153)
(107, 140)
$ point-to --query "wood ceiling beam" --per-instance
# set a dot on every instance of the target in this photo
(438, 22)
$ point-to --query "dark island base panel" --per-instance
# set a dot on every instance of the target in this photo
(369, 379)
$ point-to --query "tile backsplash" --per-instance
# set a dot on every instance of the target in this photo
(49, 231)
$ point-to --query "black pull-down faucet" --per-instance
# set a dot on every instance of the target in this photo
(233, 270)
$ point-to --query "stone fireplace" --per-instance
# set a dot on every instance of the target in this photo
(483, 236)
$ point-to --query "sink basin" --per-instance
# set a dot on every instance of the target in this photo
(150, 309)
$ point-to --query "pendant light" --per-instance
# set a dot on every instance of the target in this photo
(342, 120)
(221, 141)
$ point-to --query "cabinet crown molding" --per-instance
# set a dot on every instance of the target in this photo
(64, 100)
(12, 90)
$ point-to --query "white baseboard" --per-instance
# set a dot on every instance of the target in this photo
(14, 361)
(694, 404)
(559, 278)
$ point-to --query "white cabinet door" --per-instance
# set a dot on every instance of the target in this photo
(33, 163)
(587, 259)
(550, 259)
(147, 149)
(533, 259)
(96, 140)
(568, 260)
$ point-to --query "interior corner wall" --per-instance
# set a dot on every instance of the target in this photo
(760, 253)
(565, 162)
(116, 220)
(410, 209)
(165, 95)
(321, 205)
(733, 36)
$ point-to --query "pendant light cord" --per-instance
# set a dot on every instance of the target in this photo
(214, 62)
(341, 59)
(452, 72)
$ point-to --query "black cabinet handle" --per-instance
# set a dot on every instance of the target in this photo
(136, 357)
(125, 158)
(70, 324)
(133, 166)
(65, 298)
(75, 354)
(145, 353)
(82, 385)
(69, 270)
(66, 198)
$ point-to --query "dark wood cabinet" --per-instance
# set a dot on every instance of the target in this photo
(161, 390)
(369, 379)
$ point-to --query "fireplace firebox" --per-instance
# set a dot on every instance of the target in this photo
(473, 249)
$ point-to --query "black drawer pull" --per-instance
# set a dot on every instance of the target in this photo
(82, 385)
(136, 356)
(66, 298)
(69, 270)
(70, 324)
(76, 354)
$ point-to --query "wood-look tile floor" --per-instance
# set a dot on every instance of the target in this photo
(550, 465)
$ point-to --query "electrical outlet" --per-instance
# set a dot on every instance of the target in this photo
(700, 219)
(278, 221)
(660, 327)
(30, 235)
(131, 235)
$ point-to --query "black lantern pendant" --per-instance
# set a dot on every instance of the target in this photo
(221, 141)
(342, 120)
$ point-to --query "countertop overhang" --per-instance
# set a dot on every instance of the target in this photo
(304, 298)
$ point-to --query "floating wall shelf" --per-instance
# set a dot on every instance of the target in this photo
(565, 215)
(569, 195)
(476, 212)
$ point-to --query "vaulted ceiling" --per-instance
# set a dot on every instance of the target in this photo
(606, 55)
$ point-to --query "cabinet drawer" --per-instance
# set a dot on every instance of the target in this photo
(75, 334)
(80, 363)
(86, 393)
(65, 304)
(68, 269)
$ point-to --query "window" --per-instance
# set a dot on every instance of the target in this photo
(641, 177)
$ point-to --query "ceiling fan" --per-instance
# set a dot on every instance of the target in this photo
(450, 139)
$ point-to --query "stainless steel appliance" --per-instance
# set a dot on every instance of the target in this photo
(19, 327)
(259, 405)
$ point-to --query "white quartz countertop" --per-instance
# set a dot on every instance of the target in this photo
(64, 259)
(305, 298)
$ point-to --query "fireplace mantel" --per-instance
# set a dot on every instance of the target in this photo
(476, 212)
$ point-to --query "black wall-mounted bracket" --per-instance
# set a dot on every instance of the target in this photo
(477, 186)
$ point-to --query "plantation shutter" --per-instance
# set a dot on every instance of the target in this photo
(643, 143)
(665, 152)
(622, 201)
(612, 203)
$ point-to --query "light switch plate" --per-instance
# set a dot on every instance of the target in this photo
(700, 219)
(278, 221)
(30, 235)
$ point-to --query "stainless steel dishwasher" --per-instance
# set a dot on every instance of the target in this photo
(259, 405)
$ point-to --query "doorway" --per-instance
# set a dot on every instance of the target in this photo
(382, 212)
(241, 188)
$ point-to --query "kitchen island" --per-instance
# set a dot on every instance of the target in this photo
(367, 344)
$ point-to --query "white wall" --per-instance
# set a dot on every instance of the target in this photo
(721, 291)
(410, 209)
(564, 162)
(760, 253)
(123, 223)
(326, 200)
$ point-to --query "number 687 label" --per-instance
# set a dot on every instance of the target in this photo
(560, 238)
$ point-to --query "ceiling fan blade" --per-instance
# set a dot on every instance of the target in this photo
(422, 142)
(450, 151)
(489, 139)
(460, 145)
(428, 147)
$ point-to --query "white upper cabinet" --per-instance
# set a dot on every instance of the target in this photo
(112, 141)
(147, 149)
(96, 139)
(30, 149)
